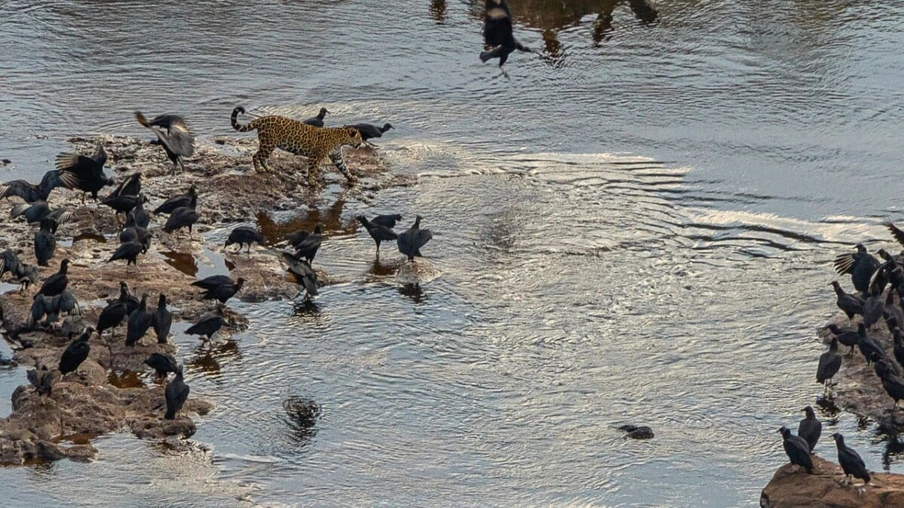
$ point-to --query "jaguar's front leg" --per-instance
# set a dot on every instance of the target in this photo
(336, 157)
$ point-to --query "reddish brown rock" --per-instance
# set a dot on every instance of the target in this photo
(824, 489)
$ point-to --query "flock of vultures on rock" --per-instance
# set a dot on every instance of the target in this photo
(876, 302)
(85, 173)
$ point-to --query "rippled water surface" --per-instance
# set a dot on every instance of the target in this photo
(636, 228)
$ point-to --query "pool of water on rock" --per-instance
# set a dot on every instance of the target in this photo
(640, 233)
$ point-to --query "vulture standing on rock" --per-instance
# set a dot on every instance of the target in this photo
(173, 134)
(851, 305)
(497, 32)
(245, 235)
(868, 346)
(42, 379)
(411, 241)
(79, 172)
(139, 322)
(317, 121)
(850, 461)
(56, 283)
(45, 242)
(849, 338)
(810, 428)
(861, 265)
(797, 449)
(184, 216)
(179, 201)
(162, 363)
(176, 394)
(128, 251)
(76, 352)
(829, 364)
(223, 292)
(369, 131)
(161, 320)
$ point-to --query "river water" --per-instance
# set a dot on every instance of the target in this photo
(637, 228)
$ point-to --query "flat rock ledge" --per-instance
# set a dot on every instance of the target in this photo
(106, 395)
(824, 489)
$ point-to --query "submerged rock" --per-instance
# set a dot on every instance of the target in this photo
(824, 488)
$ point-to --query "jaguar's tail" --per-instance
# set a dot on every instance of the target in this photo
(235, 123)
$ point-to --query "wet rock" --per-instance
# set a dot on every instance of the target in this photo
(857, 388)
(637, 431)
(822, 489)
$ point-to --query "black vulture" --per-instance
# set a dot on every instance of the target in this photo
(873, 309)
(207, 325)
(139, 322)
(35, 212)
(128, 251)
(173, 134)
(497, 32)
(212, 282)
(307, 248)
(861, 265)
(45, 242)
(388, 221)
(317, 121)
(849, 338)
(829, 363)
(810, 428)
(79, 172)
(369, 131)
(182, 217)
(182, 200)
(245, 235)
(56, 283)
(868, 345)
(176, 393)
(302, 273)
(123, 204)
(850, 461)
(224, 292)
(797, 449)
(162, 363)
(130, 186)
(30, 192)
(899, 345)
(849, 304)
(377, 232)
(42, 379)
(76, 352)
(411, 241)
(161, 320)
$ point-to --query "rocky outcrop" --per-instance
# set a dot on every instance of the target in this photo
(824, 489)
(106, 394)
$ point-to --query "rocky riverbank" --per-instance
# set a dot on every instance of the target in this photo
(90, 402)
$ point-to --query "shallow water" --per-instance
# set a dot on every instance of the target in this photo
(637, 229)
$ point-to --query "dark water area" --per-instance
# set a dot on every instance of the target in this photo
(637, 228)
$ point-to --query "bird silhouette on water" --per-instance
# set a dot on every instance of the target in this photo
(188, 199)
(829, 363)
(377, 232)
(176, 394)
(56, 283)
(317, 121)
(45, 241)
(497, 33)
(162, 363)
(810, 428)
(173, 135)
(797, 450)
(139, 322)
(861, 265)
(851, 463)
(80, 172)
(243, 235)
(411, 241)
(369, 131)
(76, 352)
(161, 320)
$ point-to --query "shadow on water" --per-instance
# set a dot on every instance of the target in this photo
(438, 11)
(301, 417)
(553, 16)
(181, 261)
(381, 269)
(331, 218)
(414, 292)
(208, 355)
(126, 379)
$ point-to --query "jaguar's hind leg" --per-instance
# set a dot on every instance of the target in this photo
(261, 163)
(336, 157)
